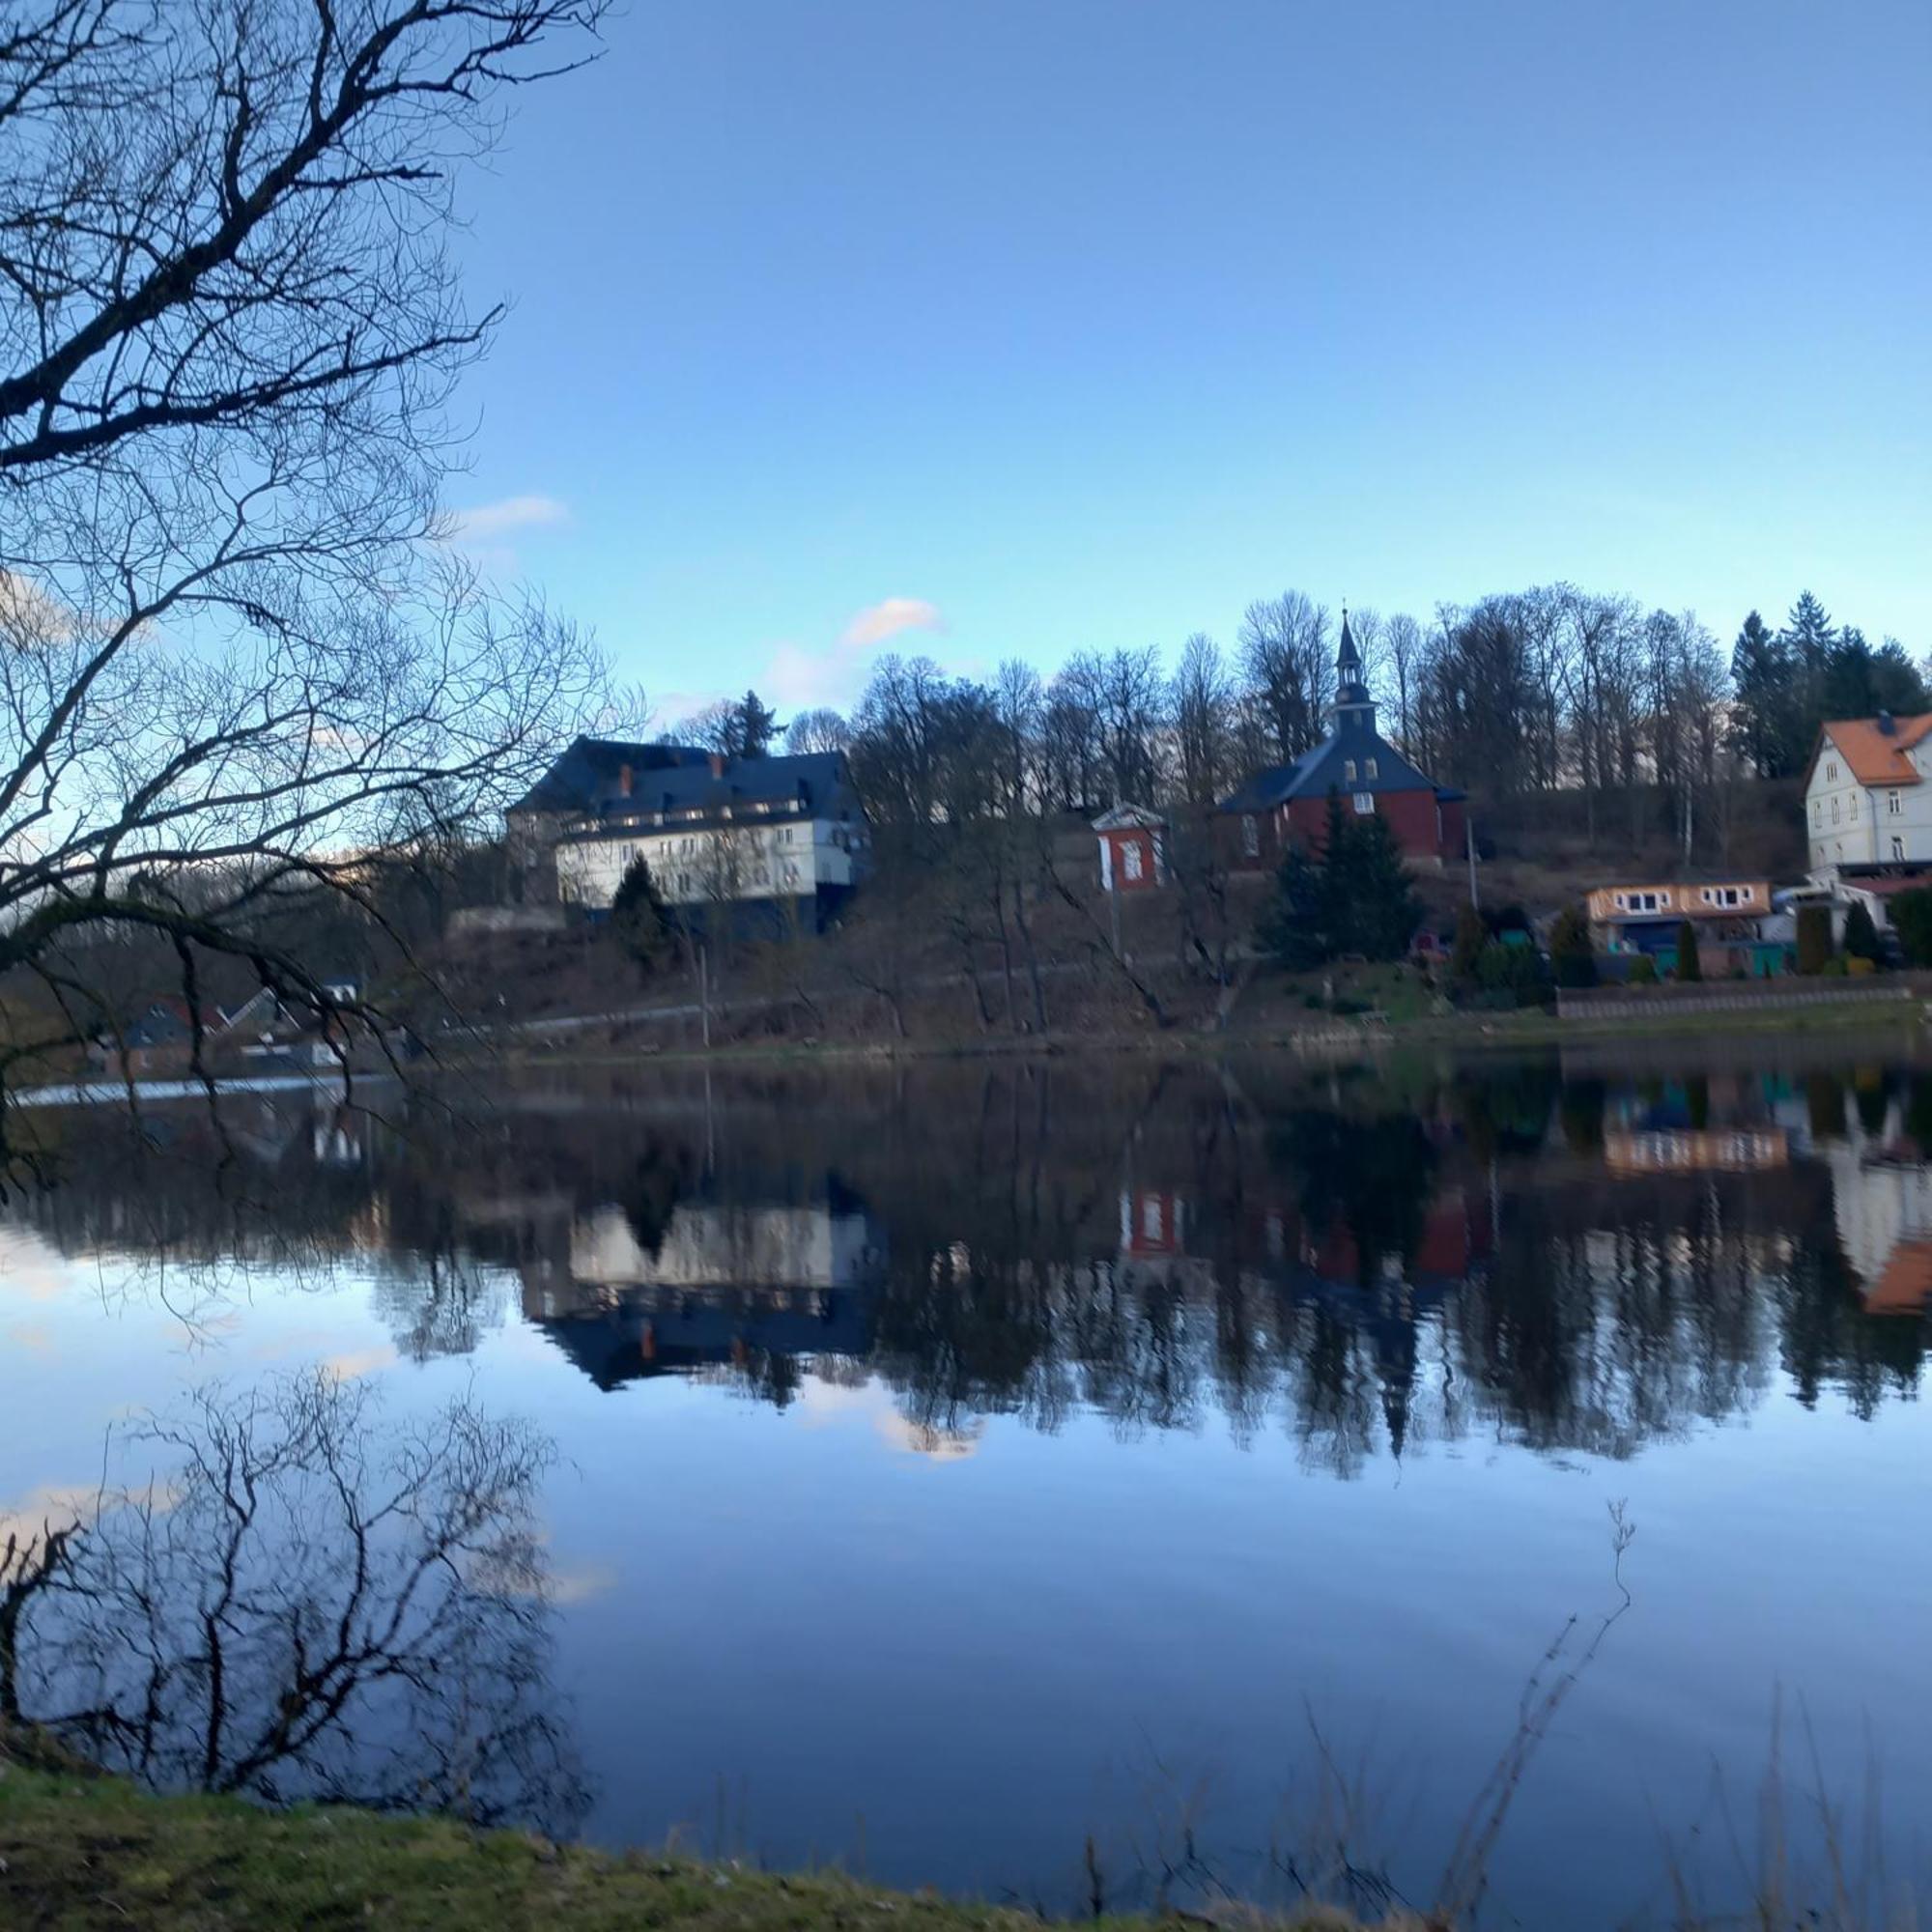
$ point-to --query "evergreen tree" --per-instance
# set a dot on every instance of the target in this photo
(1912, 920)
(1814, 936)
(1689, 967)
(1861, 933)
(1467, 950)
(1377, 911)
(1571, 955)
(645, 927)
(752, 727)
(1766, 730)
(1294, 924)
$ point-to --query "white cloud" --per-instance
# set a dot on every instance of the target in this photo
(887, 619)
(488, 521)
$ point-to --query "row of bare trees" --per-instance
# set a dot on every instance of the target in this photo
(1520, 694)
(237, 653)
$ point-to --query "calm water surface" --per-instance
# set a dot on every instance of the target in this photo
(931, 1469)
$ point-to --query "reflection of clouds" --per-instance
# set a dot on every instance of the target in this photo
(823, 1404)
(30, 1268)
(359, 1362)
(35, 1337)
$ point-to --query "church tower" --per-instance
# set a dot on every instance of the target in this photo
(1352, 705)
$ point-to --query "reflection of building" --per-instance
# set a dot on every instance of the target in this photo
(724, 1285)
(1882, 1202)
(1691, 1150)
(1150, 1222)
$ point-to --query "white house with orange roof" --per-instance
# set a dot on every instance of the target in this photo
(1869, 794)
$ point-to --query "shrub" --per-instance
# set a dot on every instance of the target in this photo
(1814, 936)
(1471, 936)
(1642, 970)
(1571, 958)
(1833, 969)
(1859, 966)
(1690, 968)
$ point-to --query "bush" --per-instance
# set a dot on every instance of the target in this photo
(1912, 920)
(1833, 969)
(1690, 968)
(1471, 936)
(1516, 970)
(1814, 937)
(1571, 958)
(1642, 970)
(1862, 935)
(1859, 966)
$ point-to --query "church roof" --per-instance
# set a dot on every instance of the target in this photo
(1324, 768)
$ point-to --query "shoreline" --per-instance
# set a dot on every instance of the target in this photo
(84, 1849)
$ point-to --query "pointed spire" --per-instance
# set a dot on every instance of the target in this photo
(1347, 659)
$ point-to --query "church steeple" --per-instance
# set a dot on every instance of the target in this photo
(1353, 702)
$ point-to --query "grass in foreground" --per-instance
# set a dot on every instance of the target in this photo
(80, 1851)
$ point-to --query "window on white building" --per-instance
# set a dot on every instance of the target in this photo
(1855, 808)
(1831, 770)
(1893, 805)
(1817, 811)
(1365, 803)
(1897, 846)
(1834, 812)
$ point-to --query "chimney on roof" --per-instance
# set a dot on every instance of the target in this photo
(718, 764)
(623, 781)
(1884, 723)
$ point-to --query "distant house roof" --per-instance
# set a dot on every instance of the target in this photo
(817, 783)
(1124, 818)
(1875, 753)
(593, 768)
(1324, 768)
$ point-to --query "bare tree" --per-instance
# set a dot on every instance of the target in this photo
(305, 1602)
(1131, 716)
(1202, 702)
(1288, 662)
(231, 327)
(1401, 667)
(817, 730)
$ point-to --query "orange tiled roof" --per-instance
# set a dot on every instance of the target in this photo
(1878, 757)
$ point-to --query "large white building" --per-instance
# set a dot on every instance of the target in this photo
(714, 831)
(1869, 795)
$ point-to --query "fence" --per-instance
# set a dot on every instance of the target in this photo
(1616, 1003)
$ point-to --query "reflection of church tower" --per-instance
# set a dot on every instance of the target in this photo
(1352, 703)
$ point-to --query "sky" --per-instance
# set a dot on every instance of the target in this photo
(995, 328)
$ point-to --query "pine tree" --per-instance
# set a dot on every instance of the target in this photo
(1766, 730)
(1861, 933)
(1376, 909)
(1570, 954)
(1294, 924)
(1689, 967)
(645, 927)
(752, 726)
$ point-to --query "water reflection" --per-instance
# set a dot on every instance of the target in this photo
(1556, 1253)
(292, 1600)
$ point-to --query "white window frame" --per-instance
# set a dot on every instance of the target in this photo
(1894, 804)
(1365, 804)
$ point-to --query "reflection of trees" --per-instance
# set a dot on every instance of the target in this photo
(305, 1607)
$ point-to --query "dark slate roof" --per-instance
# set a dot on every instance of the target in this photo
(591, 768)
(1318, 771)
(817, 780)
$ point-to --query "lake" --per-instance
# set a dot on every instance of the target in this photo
(992, 1475)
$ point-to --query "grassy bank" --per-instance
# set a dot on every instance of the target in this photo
(81, 1851)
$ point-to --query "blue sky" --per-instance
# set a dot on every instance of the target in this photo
(1018, 327)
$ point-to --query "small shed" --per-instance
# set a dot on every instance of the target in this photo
(1133, 849)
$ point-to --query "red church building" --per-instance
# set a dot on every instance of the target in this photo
(1289, 803)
